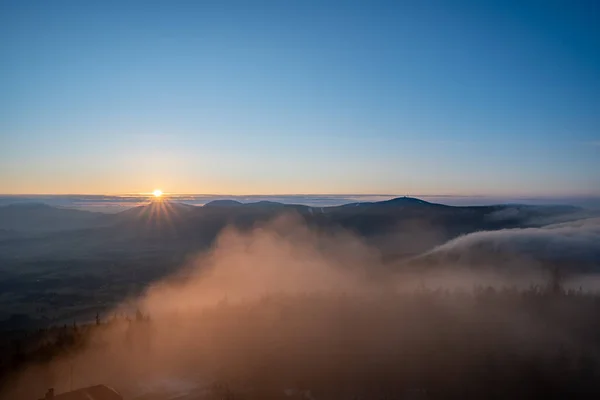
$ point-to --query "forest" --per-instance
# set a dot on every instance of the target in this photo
(496, 343)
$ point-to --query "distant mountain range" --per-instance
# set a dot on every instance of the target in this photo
(393, 226)
(40, 217)
(75, 261)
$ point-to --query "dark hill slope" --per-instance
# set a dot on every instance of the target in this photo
(398, 228)
(38, 217)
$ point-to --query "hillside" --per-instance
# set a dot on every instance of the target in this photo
(103, 258)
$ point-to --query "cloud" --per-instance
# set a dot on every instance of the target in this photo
(573, 245)
(282, 256)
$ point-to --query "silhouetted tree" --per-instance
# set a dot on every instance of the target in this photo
(557, 278)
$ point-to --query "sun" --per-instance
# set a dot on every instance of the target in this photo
(157, 193)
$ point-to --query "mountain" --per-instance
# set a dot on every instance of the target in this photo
(265, 203)
(156, 209)
(39, 217)
(108, 257)
(257, 204)
(398, 228)
(395, 202)
(223, 203)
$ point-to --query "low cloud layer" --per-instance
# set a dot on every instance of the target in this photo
(282, 256)
(573, 245)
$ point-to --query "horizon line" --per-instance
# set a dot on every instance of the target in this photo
(166, 194)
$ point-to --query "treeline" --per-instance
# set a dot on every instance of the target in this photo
(439, 344)
(22, 348)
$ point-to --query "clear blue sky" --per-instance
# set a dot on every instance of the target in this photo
(418, 97)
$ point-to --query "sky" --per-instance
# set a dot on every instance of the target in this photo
(498, 98)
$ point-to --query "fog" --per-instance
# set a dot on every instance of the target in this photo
(573, 246)
(282, 308)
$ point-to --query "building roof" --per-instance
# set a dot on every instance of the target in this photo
(98, 392)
